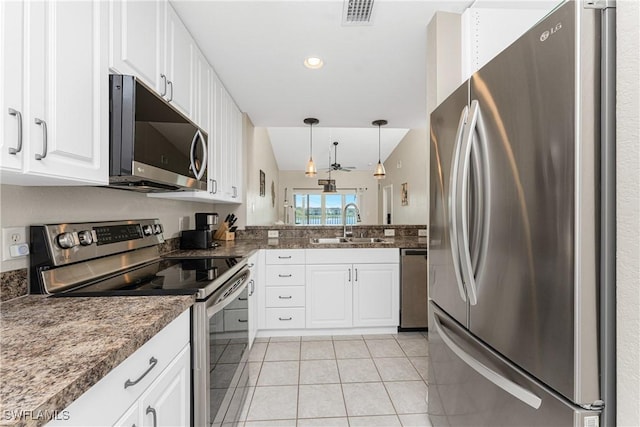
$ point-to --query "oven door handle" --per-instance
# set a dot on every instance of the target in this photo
(244, 276)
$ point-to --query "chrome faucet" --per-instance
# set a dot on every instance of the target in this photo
(346, 234)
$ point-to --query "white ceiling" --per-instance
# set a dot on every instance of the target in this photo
(371, 72)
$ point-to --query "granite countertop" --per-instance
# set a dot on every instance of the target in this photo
(245, 247)
(52, 350)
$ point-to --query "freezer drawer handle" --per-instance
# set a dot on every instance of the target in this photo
(509, 386)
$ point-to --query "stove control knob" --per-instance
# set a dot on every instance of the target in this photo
(85, 238)
(147, 230)
(66, 240)
(157, 229)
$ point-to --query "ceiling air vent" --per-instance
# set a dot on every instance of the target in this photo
(357, 12)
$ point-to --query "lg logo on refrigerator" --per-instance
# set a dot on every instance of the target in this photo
(544, 36)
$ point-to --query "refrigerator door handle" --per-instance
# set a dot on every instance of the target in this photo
(505, 384)
(453, 216)
(463, 216)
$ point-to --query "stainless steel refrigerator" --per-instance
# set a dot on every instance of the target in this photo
(520, 261)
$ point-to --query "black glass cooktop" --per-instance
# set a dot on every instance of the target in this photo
(162, 277)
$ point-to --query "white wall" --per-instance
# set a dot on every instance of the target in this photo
(368, 204)
(259, 156)
(628, 213)
(24, 206)
(408, 162)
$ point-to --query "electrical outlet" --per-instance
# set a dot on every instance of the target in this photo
(422, 232)
(12, 236)
(273, 234)
(389, 232)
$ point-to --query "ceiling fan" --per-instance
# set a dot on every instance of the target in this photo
(335, 166)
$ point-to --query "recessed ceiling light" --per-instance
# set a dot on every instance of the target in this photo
(313, 62)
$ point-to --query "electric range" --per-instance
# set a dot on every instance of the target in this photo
(122, 258)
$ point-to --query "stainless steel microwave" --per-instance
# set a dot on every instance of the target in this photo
(153, 147)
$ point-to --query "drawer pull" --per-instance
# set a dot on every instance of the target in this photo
(242, 320)
(153, 362)
(281, 297)
(284, 275)
(152, 411)
(284, 257)
(242, 299)
(288, 318)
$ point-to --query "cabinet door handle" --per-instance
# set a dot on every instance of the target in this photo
(44, 138)
(18, 116)
(283, 297)
(349, 275)
(284, 275)
(164, 84)
(152, 411)
(288, 318)
(170, 87)
(215, 186)
(152, 362)
(356, 275)
(242, 320)
(284, 257)
(253, 286)
(235, 192)
(242, 299)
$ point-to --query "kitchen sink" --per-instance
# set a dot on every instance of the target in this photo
(346, 240)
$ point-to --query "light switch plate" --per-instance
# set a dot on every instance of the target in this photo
(389, 232)
(273, 234)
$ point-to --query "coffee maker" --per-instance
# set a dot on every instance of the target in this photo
(202, 236)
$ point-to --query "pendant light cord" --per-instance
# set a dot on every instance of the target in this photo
(379, 143)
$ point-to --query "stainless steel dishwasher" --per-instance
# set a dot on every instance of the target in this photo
(414, 296)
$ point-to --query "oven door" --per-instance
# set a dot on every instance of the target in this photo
(220, 344)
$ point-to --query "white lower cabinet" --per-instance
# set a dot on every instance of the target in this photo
(331, 289)
(255, 267)
(376, 295)
(284, 289)
(329, 296)
(168, 401)
(352, 295)
(152, 387)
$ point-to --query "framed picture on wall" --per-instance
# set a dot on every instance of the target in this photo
(404, 194)
(262, 184)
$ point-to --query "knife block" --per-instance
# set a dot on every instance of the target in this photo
(223, 233)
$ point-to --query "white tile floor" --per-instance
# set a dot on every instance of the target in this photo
(370, 380)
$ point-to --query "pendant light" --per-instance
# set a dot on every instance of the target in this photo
(379, 173)
(311, 170)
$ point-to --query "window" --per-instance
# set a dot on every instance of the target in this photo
(316, 208)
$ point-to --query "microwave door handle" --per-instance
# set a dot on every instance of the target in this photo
(453, 231)
(198, 137)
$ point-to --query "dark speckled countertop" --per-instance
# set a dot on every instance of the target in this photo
(245, 247)
(54, 349)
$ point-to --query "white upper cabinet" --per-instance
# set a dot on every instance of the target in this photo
(61, 101)
(137, 41)
(149, 41)
(11, 80)
(180, 61)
